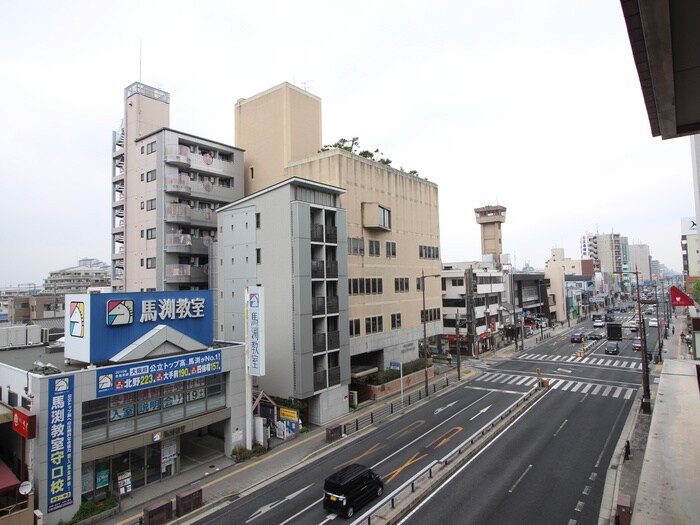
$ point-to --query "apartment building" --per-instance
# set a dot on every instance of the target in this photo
(393, 234)
(166, 187)
(291, 240)
(76, 279)
(611, 251)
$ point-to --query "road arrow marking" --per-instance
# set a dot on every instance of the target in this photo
(564, 370)
(479, 413)
(265, 508)
(438, 410)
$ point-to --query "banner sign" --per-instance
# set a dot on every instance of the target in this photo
(112, 380)
(255, 319)
(60, 449)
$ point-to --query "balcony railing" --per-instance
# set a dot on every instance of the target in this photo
(320, 381)
(178, 241)
(333, 375)
(185, 273)
(319, 342)
(175, 212)
(317, 269)
(331, 269)
(318, 305)
(333, 340)
(178, 184)
(332, 234)
(177, 155)
(203, 217)
(332, 304)
(317, 232)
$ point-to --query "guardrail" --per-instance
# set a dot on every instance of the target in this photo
(441, 465)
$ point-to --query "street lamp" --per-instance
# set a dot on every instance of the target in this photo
(658, 327)
(426, 352)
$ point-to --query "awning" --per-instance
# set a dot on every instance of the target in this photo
(5, 413)
(8, 481)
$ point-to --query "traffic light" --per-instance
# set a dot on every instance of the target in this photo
(614, 331)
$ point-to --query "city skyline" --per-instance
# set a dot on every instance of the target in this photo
(537, 108)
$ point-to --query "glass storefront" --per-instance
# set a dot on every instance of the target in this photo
(126, 414)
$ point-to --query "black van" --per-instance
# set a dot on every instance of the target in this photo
(350, 488)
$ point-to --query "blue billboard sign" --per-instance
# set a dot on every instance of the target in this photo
(60, 449)
(99, 326)
(113, 380)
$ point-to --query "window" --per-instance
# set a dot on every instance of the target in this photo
(142, 205)
(374, 324)
(142, 234)
(395, 321)
(151, 233)
(356, 246)
(373, 248)
(390, 249)
(257, 220)
(150, 176)
(419, 284)
(433, 314)
(367, 286)
(252, 172)
(142, 149)
(401, 284)
(151, 262)
(458, 282)
(428, 252)
(150, 147)
(354, 327)
(258, 256)
(150, 204)
(384, 218)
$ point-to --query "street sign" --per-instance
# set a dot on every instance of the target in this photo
(394, 365)
(522, 314)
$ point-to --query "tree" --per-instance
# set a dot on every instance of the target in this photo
(695, 291)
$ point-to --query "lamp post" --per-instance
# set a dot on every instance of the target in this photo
(424, 315)
(658, 326)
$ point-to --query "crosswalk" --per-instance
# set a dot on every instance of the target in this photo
(591, 360)
(565, 385)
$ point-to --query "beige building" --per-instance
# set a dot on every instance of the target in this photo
(393, 233)
(76, 279)
(490, 219)
(640, 260)
(166, 187)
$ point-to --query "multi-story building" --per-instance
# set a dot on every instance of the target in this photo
(166, 186)
(611, 252)
(76, 279)
(291, 239)
(640, 260)
(23, 309)
(392, 223)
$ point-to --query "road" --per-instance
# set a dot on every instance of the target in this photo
(549, 463)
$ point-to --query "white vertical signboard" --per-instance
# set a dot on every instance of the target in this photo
(255, 328)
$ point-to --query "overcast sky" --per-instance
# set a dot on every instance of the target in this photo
(532, 105)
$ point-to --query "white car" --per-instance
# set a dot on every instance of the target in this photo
(653, 321)
(598, 323)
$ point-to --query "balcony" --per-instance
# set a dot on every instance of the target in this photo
(333, 375)
(319, 342)
(331, 269)
(317, 233)
(185, 273)
(178, 184)
(207, 164)
(317, 269)
(180, 213)
(177, 155)
(333, 340)
(320, 380)
(318, 305)
(331, 234)
(203, 217)
(210, 191)
(332, 304)
(178, 242)
(200, 245)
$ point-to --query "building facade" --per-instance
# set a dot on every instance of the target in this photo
(290, 239)
(166, 187)
(76, 279)
(392, 223)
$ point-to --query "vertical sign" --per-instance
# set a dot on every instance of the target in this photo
(60, 449)
(255, 320)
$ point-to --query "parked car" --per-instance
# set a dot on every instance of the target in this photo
(577, 338)
(598, 323)
(350, 488)
(633, 326)
(612, 348)
(637, 344)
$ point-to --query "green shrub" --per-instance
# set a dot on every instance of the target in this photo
(384, 376)
(89, 509)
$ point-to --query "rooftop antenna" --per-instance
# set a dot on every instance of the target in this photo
(140, 55)
(305, 84)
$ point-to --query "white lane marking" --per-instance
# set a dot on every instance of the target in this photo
(265, 508)
(482, 411)
(520, 478)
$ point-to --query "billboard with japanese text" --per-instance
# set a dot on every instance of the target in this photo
(99, 326)
(60, 441)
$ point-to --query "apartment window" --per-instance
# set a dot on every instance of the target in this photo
(257, 220)
(142, 205)
(258, 256)
(373, 248)
(367, 286)
(150, 204)
(395, 321)
(150, 147)
(390, 249)
(419, 284)
(142, 234)
(142, 177)
(356, 246)
(374, 324)
(151, 263)
(401, 284)
(151, 233)
(150, 176)
(252, 172)
(384, 217)
(354, 327)
(433, 314)
(428, 252)
(142, 149)
(458, 282)
(142, 262)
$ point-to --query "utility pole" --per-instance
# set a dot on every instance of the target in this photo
(470, 285)
(457, 347)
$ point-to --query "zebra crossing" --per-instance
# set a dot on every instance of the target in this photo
(565, 385)
(591, 360)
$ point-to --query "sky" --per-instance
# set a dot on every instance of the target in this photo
(535, 106)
